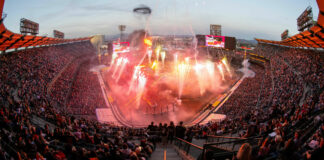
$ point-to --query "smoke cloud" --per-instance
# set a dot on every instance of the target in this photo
(245, 70)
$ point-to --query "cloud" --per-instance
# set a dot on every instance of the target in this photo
(104, 8)
(69, 7)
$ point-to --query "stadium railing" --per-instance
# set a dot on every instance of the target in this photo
(10, 151)
(188, 148)
(231, 143)
(225, 147)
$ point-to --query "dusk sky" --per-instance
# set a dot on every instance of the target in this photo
(247, 19)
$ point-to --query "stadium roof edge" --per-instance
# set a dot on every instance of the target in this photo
(10, 40)
(312, 38)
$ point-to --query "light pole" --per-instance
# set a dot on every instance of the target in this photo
(121, 28)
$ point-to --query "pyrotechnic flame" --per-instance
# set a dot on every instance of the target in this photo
(221, 70)
(118, 63)
(137, 84)
(140, 88)
(122, 68)
(187, 59)
(198, 70)
(148, 42)
(198, 67)
(182, 71)
(149, 53)
(114, 56)
(134, 77)
(210, 68)
(163, 56)
(224, 61)
(205, 74)
(154, 65)
(157, 52)
(175, 59)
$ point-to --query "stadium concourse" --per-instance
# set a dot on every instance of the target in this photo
(48, 98)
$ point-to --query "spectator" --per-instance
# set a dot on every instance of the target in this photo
(180, 130)
(316, 154)
(171, 132)
(244, 153)
(164, 134)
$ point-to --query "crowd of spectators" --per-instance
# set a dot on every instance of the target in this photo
(282, 105)
(308, 64)
(276, 107)
(242, 105)
(61, 86)
(293, 113)
(86, 94)
(246, 95)
(267, 87)
(287, 91)
(71, 138)
(26, 75)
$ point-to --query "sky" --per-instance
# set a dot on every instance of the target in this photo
(243, 19)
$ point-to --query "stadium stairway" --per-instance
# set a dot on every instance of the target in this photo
(40, 122)
(299, 75)
(162, 153)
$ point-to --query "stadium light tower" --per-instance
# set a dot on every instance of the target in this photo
(121, 29)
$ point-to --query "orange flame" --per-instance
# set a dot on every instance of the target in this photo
(148, 42)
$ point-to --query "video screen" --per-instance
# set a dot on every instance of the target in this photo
(121, 47)
(215, 41)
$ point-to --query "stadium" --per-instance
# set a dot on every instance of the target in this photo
(147, 96)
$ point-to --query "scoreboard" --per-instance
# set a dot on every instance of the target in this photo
(28, 26)
(215, 41)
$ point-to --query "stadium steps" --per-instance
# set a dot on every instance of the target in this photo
(52, 82)
(261, 90)
(15, 95)
(299, 75)
(170, 153)
(40, 122)
(108, 116)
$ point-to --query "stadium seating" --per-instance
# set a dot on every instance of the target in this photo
(47, 91)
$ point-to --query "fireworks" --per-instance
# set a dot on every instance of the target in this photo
(163, 56)
(138, 83)
(224, 61)
(199, 74)
(187, 59)
(149, 54)
(210, 67)
(154, 65)
(116, 66)
(220, 67)
(183, 69)
(157, 52)
(114, 56)
(119, 67)
(141, 82)
(183, 75)
(205, 74)
(175, 59)
(148, 42)
(124, 62)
